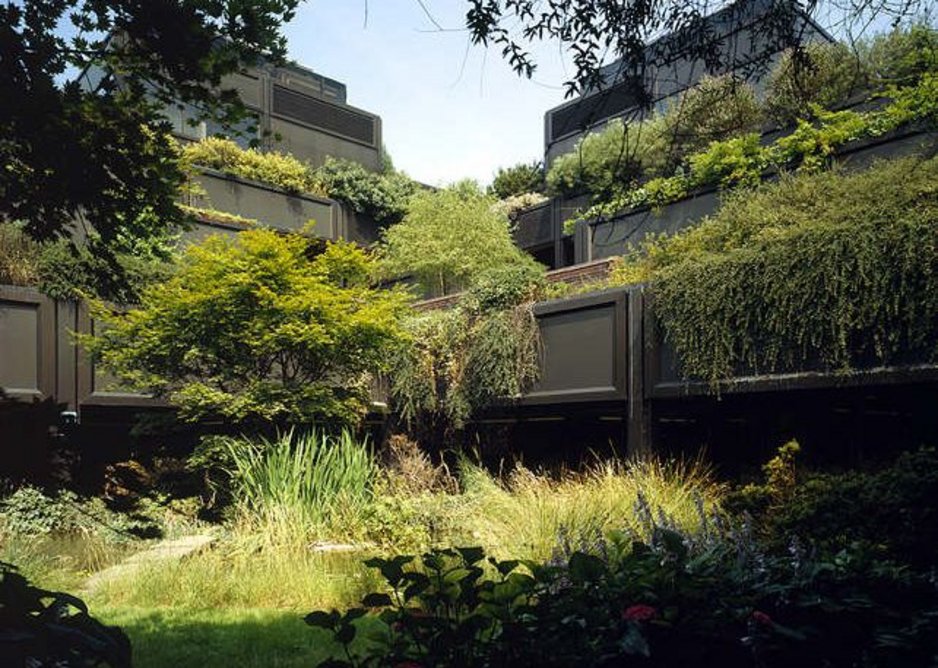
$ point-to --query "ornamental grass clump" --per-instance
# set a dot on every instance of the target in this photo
(299, 487)
(531, 515)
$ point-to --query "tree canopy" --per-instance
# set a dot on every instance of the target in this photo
(252, 328)
(448, 237)
(86, 139)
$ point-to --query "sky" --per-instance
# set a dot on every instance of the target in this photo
(448, 111)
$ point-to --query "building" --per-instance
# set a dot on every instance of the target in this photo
(745, 38)
(297, 111)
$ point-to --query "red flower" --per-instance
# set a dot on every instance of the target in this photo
(639, 613)
(761, 618)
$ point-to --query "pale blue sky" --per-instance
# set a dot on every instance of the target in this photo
(447, 113)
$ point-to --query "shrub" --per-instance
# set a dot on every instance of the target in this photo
(514, 205)
(668, 602)
(31, 513)
(383, 196)
(892, 511)
(45, 628)
(901, 56)
(518, 180)
(505, 286)
(447, 238)
(254, 328)
(743, 160)
(277, 169)
(19, 256)
(605, 162)
(717, 108)
(821, 74)
(458, 363)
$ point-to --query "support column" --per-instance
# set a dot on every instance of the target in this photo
(638, 415)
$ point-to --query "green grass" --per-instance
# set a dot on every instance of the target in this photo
(225, 638)
(236, 575)
(527, 514)
(241, 602)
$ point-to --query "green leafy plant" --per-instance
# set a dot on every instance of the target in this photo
(517, 180)
(823, 74)
(891, 510)
(277, 169)
(671, 601)
(45, 628)
(831, 271)
(19, 256)
(715, 109)
(257, 327)
(447, 238)
(384, 196)
(603, 162)
(743, 161)
(300, 484)
(458, 363)
(901, 56)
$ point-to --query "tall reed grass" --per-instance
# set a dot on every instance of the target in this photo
(301, 486)
(530, 515)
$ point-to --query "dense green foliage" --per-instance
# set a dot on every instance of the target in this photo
(829, 270)
(382, 195)
(64, 270)
(254, 328)
(447, 237)
(892, 511)
(743, 160)
(718, 598)
(831, 570)
(823, 74)
(517, 180)
(715, 109)
(19, 256)
(277, 169)
(86, 144)
(45, 628)
(710, 136)
(460, 361)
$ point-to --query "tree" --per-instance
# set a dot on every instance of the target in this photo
(86, 83)
(520, 179)
(448, 237)
(250, 328)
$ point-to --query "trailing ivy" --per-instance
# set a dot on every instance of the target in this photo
(824, 271)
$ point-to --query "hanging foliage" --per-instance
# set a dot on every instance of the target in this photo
(826, 271)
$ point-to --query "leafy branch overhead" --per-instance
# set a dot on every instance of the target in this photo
(87, 136)
(595, 33)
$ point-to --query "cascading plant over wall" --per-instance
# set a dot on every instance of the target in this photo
(826, 271)
(461, 360)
